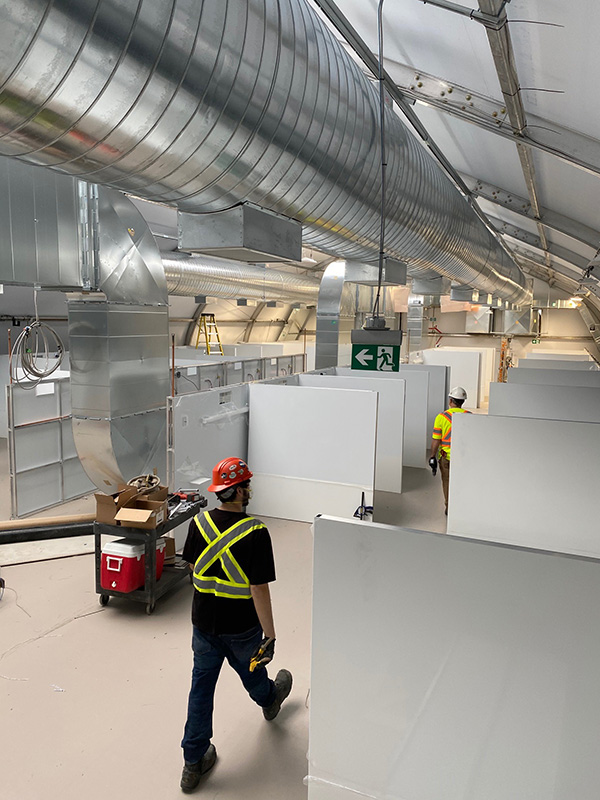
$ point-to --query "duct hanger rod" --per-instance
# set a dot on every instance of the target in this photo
(345, 29)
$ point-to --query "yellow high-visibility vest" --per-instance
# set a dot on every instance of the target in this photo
(236, 586)
(442, 428)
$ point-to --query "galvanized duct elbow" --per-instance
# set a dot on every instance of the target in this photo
(209, 104)
(189, 276)
(119, 347)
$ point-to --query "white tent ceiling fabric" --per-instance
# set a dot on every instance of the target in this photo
(557, 66)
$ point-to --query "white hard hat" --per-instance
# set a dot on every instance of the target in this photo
(458, 393)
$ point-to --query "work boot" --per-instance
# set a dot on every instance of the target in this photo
(283, 686)
(190, 777)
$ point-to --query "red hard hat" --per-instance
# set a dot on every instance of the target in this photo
(229, 472)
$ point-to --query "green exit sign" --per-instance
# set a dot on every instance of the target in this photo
(376, 357)
(535, 341)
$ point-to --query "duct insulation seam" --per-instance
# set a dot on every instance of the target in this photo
(189, 276)
(208, 104)
(119, 349)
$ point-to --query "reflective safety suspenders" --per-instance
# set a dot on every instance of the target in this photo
(236, 585)
(447, 434)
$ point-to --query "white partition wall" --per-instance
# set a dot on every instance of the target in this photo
(450, 669)
(464, 369)
(416, 433)
(437, 390)
(507, 482)
(390, 422)
(574, 403)
(311, 450)
(439, 386)
(486, 368)
(553, 377)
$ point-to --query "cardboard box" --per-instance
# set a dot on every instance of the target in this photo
(170, 548)
(132, 509)
(107, 505)
(145, 514)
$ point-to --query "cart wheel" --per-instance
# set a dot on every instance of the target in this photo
(150, 608)
(103, 599)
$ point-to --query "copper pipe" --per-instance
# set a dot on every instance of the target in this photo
(45, 522)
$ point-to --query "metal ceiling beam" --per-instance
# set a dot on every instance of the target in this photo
(520, 205)
(490, 21)
(504, 62)
(521, 255)
(359, 46)
(567, 283)
(574, 148)
(522, 235)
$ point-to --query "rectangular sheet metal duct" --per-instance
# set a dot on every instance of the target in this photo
(42, 236)
(245, 232)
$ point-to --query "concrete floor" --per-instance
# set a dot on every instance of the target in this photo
(92, 700)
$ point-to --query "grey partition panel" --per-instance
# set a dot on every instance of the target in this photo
(574, 403)
(485, 681)
(211, 376)
(542, 363)
(285, 365)
(553, 377)
(44, 467)
(205, 428)
(187, 379)
(234, 372)
(252, 370)
(271, 367)
(224, 372)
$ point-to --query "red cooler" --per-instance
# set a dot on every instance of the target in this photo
(123, 564)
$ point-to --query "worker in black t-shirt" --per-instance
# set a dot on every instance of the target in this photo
(233, 564)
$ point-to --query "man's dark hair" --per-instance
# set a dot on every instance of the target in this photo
(456, 402)
(229, 493)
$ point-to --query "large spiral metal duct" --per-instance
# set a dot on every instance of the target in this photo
(192, 275)
(209, 104)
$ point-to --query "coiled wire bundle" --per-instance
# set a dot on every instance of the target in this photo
(36, 354)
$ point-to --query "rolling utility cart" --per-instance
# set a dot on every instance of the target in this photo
(152, 588)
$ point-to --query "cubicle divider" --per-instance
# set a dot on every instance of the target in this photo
(437, 390)
(507, 484)
(562, 355)
(450, 668)
(44, 466)
(490, 356)
(416, 404)
(390, 421)
(546, 363)
(573, 403)
(465, 368)
(553, 377)
(305, 452)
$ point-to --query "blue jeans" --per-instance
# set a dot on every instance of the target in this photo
(209, 654)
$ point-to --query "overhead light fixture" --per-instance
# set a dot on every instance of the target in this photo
(308, 260)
